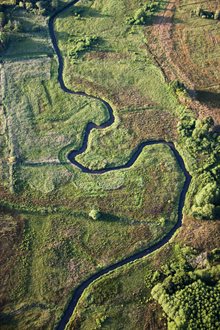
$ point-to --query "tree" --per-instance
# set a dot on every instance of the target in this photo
(94, 214)
(207, 194)
(140, 16)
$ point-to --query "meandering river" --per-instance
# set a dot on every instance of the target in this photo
(72, 157)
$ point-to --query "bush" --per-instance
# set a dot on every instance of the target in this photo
(207, 212)
(79, 45)
(214, 256)
(142, 15)
(207, 200)
(94, 214)
(209, 194)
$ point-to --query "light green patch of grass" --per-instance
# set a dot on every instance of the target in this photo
(107, 148)
(41, 118)
(8, 2)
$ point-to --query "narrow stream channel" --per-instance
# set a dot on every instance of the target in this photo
(72, 155)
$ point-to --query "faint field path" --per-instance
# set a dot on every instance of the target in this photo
(161, 46)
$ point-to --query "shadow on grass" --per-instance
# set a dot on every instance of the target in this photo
(112, 218)
(25, 46)
(8, 319)
(212, 99)
(108, 217)
(216, 129)
(84, 11)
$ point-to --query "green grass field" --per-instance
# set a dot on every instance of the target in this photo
(49, 244)
(138, 205)
(120, 70)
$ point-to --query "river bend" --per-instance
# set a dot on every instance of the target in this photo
(72, 158)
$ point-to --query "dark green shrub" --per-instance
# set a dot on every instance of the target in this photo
(214, 256)
(79, 45)
(142, 15)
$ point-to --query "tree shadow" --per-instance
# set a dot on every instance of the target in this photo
(8, 319)
(112, 218)
(212, 99)
(216, 129)
(108, 217)
(23, 46)
(84, 11)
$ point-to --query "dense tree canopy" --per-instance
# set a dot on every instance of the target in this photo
(190, 299)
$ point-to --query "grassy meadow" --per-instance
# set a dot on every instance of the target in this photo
(47, 115)
(49, 243)
(118, 68)
(59, 244)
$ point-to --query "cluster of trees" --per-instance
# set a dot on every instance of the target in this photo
(142, 15)
(6, 25)
(190, 299)
(207, 202)
(202, 143)
(42, 7)
(79, 45)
